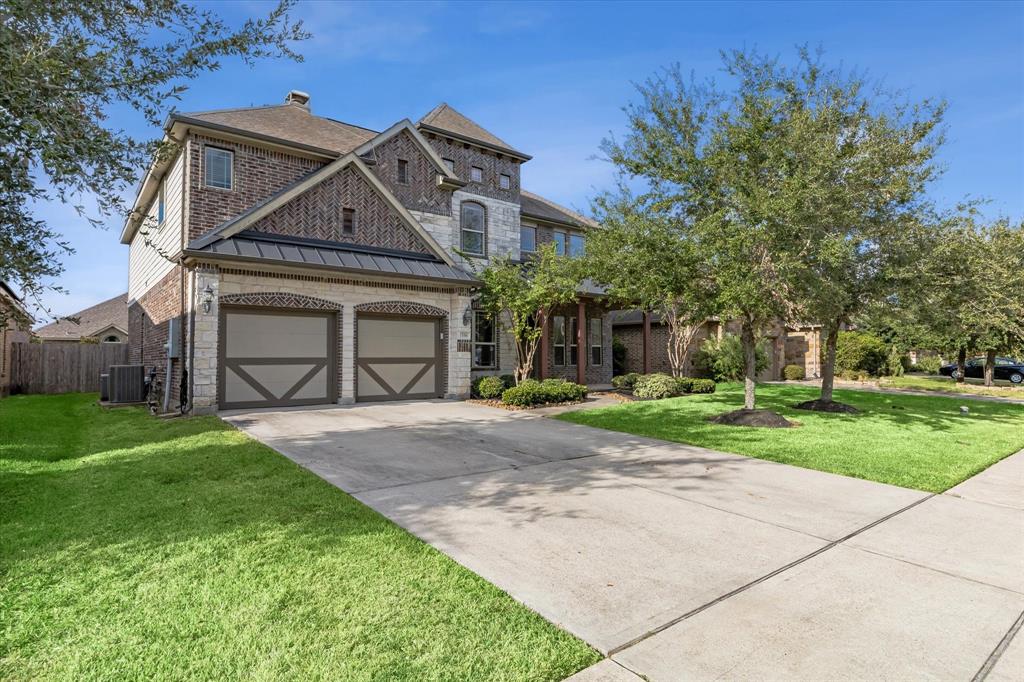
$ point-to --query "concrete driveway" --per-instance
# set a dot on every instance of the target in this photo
(686, 563)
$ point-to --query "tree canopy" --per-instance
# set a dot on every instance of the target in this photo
(63, 65)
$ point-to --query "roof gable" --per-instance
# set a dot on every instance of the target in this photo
(278, 200)
(110, 313)
(445, 119)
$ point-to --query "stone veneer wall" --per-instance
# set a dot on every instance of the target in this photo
(347, 294)
(502, 231)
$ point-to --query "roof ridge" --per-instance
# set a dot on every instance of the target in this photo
(231, 109)
(560, 207)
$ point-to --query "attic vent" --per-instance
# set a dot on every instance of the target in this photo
(298, 97)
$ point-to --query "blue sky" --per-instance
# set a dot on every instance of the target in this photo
(551, 79)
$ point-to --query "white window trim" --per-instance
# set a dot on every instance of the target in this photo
(493, 343)
(206, 169)
(502, 178)
(472, 169)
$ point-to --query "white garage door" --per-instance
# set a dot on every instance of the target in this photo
(399, 358)
(276, 358)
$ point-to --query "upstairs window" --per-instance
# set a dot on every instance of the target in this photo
(595, 339)
(160, 206)
(450, 163)
(485, 346)
(403, 172)
(558, 339)
(473, 228)
(504, 181)
(218, 167)
(348, 221)
(559, 238)
(527, 239)
(476, 174)
(576, 245)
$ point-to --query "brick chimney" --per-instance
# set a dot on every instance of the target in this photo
(298, 97)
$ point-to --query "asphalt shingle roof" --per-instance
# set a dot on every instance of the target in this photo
(444, 118)
(536, 206)
(290, 122)
(91, 321)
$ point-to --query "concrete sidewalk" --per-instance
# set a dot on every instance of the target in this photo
(686, 563)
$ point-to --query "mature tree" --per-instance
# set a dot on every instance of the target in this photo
(521, 296)
(861, 160)
(644, 260)
(1002, 301)
(720, 164)
(62, 66)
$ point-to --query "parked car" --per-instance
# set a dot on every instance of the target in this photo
(1006, 369)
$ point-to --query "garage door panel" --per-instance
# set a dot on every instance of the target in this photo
(398, 358)
(276, 358)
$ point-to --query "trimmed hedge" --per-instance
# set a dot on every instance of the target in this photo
(625, 381)
(658, 386)
(702, 385)
(793, 372)
(532, 392)
(489, 387)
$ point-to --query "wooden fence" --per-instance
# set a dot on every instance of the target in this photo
(63, 367)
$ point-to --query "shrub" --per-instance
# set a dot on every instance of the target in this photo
(489, 387)
(509, 380)
(793, 372)
(723, 360)
(625, 381)
(684, 385)
(532, 392)
(929, 365)
(894, 366)
(656, 386)
(702, 386)
(860, 352)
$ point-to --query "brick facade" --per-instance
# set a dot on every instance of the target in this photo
(493, 165)
(420, 192)
(258, 173)
(316, 213)
(594, 375)
(785, 346)
(149, 320)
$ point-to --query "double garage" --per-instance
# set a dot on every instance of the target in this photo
(274, 357)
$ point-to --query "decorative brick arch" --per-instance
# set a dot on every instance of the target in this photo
(275, 299)
(409, 308)
(401, 308)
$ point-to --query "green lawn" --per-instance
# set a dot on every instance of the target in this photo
(132, 548)
(1002, 389)
(906, 440)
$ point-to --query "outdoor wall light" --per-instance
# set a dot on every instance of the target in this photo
(207, 298)
(467, 315)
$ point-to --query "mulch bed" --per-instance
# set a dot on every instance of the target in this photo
(819, 405)
(518, 408)
(759, 418)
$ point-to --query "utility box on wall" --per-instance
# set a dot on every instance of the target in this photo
(174, 338)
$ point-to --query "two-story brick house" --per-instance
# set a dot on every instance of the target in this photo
(285, 258)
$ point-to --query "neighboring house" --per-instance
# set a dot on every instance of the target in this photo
(15, 322)
(294, 259)
(105, 322)
(798, 344)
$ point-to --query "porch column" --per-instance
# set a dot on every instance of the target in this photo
(581, 343)
(647, 342)
(545, 339)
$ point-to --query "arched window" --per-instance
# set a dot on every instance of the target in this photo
(474, 228)
(111, 339)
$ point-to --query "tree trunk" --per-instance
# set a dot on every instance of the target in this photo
(828, 367)
(749, 364)
(990, 367)
(961, 364)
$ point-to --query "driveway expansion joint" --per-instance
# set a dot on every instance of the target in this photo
(782, 569)
(1004, 643)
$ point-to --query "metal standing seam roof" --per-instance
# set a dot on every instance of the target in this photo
(311, 253)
